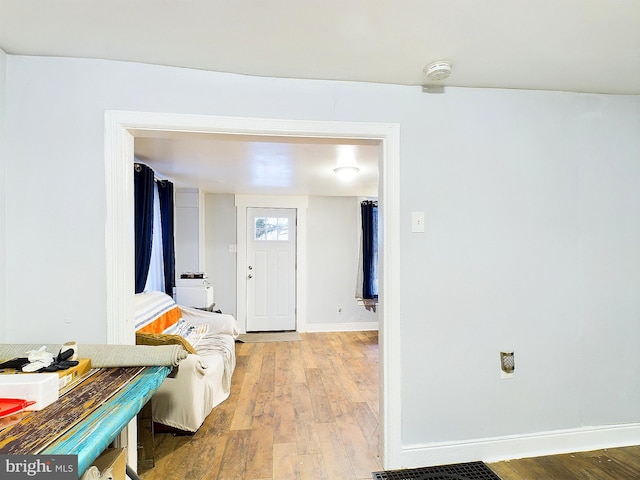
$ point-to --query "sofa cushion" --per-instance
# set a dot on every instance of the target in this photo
(190, 332)
(155, 312)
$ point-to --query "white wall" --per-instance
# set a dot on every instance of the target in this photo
(220, 234)
(188, 225)
(3, 302)
(332, 264)
(532, 208)
(532, 205)
(332, 261)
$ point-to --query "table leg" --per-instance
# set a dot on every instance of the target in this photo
(146, 458)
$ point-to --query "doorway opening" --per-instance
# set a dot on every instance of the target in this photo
(120, 130)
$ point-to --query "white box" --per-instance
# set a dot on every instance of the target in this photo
(192, 282)
(39, 387)
(196, 297)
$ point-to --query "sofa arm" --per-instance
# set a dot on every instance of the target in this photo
(218, 322)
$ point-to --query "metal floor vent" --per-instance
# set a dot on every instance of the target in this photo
(459, 471)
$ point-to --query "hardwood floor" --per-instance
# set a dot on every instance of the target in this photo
(297, 410)
(610, 464)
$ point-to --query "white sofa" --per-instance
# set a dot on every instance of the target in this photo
(203, 378)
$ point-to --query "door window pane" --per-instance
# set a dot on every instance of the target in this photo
(283, 229)
(271, 228)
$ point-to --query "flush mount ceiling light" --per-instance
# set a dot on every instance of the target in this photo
(346, 173)
(439, 70)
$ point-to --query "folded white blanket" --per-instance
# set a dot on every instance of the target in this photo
(218, 322)
(220, 343)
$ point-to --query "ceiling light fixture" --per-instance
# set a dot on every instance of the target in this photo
(346, 173)
(439, 70)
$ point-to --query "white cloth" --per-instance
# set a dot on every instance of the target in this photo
(218, 322)
(202, 382)
(219, 344)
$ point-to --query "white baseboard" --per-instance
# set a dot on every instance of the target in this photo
(338, 327)
(521, 446)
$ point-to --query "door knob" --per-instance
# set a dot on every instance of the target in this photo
(250, 267)
(250, 276)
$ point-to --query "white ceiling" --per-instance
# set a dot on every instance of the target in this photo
(245, 164)
(569, 45)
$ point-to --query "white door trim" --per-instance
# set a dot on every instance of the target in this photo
(300, 203)
(122, 126)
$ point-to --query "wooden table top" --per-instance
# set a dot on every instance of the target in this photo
(88, 418)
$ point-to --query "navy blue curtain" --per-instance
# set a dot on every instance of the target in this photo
(143, 186)
(369, 212)
(165, 195)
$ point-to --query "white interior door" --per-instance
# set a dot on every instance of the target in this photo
(271, 269)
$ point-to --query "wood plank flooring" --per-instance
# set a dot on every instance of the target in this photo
(297, 410)
(610, 464)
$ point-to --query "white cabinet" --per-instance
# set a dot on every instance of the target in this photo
(197, 296)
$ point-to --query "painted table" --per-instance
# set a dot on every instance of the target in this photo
(88, 418)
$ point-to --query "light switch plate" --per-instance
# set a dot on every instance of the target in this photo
(417, 222)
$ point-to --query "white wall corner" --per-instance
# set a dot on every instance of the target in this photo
(201, 231)
(119, 231)
(3, 199)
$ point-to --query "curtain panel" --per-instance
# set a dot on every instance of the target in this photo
(369, 211)
(143, 192)
(165, 194)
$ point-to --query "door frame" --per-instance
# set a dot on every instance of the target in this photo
(120, 129)
(300, 204)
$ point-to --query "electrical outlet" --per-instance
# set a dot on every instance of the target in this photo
(339, 308)
(507, 364)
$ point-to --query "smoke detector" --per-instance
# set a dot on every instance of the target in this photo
(439, 70)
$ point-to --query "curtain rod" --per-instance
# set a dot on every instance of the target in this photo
(138, 168)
